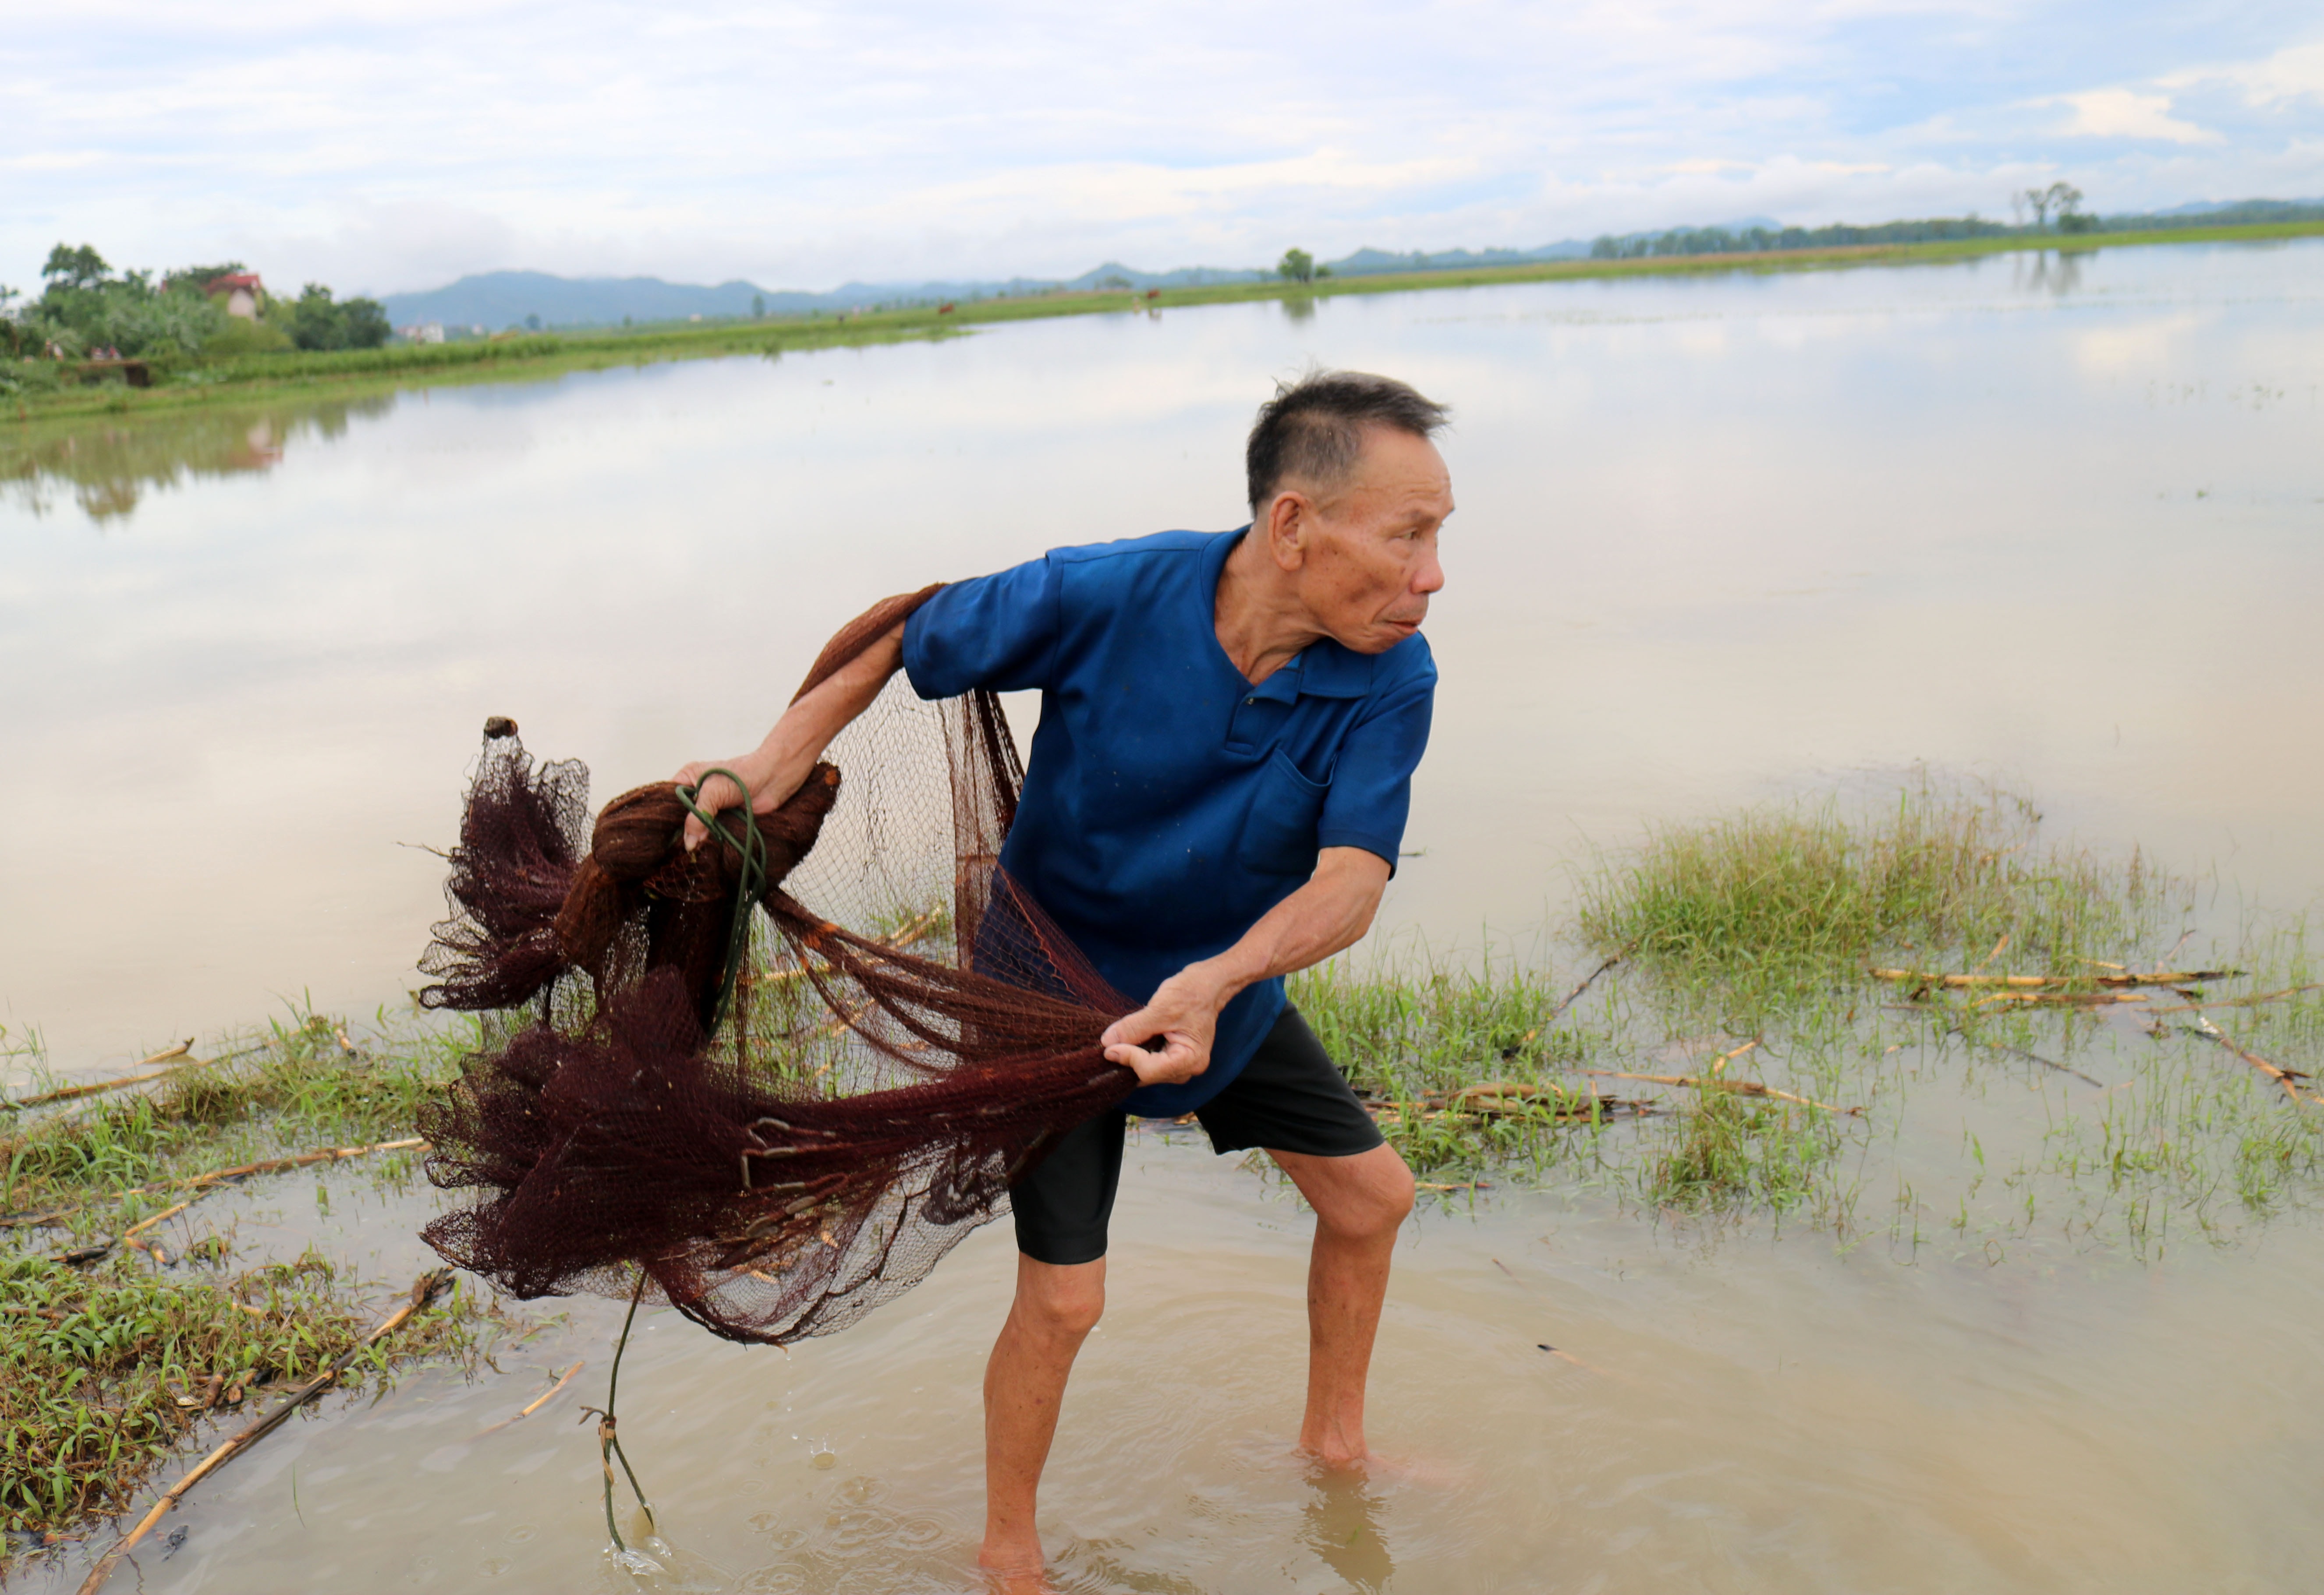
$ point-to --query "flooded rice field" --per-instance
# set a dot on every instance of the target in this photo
(2040, 1317)
(1742, 1414)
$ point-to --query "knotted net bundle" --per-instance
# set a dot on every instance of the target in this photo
(907, 1033)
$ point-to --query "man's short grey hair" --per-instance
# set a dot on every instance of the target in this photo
(1312, 428)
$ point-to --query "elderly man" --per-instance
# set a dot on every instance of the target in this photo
(1214, 799)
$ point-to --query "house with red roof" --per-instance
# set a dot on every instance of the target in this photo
(242, 292)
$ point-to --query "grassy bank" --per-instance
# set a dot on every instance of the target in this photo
(532, 356)
(133, 1319)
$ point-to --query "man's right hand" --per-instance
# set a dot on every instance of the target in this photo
(717, 794)
(777, 766)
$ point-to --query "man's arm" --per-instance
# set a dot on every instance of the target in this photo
(777, 767)
(1332, 911)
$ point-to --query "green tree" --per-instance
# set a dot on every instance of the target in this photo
(1297, 266)
(315, 322)
(75, 268)
(86, 308)
(758, 305)
(366, 323)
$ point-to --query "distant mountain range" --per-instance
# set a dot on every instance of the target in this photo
(496, 300)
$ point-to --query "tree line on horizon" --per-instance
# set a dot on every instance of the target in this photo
(2055, 209)
(87, 309)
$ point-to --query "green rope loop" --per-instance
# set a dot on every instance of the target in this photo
(751, 849)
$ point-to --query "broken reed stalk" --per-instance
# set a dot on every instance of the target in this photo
(2287, 1078)
(2033, 1058)
(2065, 999)
(895, 944)
(1575, 995)
(16, 1220)
(143, 1225)
(67, 1092)
(2253, 1001)
(1496, 1097)
(536, 1403)
(609, 1439)
(2161, 977)
(424, 1291)
(1712, 1078)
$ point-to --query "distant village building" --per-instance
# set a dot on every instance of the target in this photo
(430, 332)
(242, 292)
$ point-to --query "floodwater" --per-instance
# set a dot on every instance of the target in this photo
(1721, 541)
(1718, 539)
(1718, 1415)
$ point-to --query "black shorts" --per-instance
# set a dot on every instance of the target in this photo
(1289, 1098)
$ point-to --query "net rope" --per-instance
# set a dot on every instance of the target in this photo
(783, 1128)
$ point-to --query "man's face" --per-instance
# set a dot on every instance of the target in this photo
(1370, 560)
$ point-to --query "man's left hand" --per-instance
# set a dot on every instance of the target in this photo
(1184, 1016)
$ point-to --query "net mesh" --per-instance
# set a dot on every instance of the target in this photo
(908, 1035)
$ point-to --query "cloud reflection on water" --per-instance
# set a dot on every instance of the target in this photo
(1882, 516)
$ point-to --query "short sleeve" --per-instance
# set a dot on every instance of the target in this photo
(1370, 793)
(996, 632)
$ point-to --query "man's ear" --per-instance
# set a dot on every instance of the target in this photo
(1290, 526)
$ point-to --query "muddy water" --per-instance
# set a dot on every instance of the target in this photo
(1717, 540)
(1731, 1413)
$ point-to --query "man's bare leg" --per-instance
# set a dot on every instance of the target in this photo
(1056, 1308)
(1360, 1202)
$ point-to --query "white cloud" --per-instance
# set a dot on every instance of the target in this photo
(2124, 113)
(2289, 75)
(799, 143)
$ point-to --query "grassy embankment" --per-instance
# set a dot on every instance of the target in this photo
(532, 356)
(129, 1320)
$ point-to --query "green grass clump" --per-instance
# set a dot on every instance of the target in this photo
(1778, 904)
(1405, 1029)
(1409, 1033)
(101, 1377)
(296, 1087)
(1725, 1150)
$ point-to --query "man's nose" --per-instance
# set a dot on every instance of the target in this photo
(1430, 577)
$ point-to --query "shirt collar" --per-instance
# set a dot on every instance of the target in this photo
(1320, 670)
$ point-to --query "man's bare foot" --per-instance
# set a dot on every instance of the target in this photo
(1015, 1570)
(1374, 1468)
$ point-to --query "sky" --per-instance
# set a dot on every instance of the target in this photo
(386, 147)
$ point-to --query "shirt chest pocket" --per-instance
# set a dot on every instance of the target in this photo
(1278, 835)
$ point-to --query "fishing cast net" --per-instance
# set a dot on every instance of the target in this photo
(782, 1127)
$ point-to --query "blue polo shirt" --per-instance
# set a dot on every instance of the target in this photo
(1168, 802)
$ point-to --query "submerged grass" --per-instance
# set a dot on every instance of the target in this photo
(1778, 906)
(1785, 1076)
(1729, 1148)
(112, 1349)
(103, 1375)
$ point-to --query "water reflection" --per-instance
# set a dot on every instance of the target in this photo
(1298, 309)
(2042, 270)
(107, 464)
(1343, 1529)
(1720, 538)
